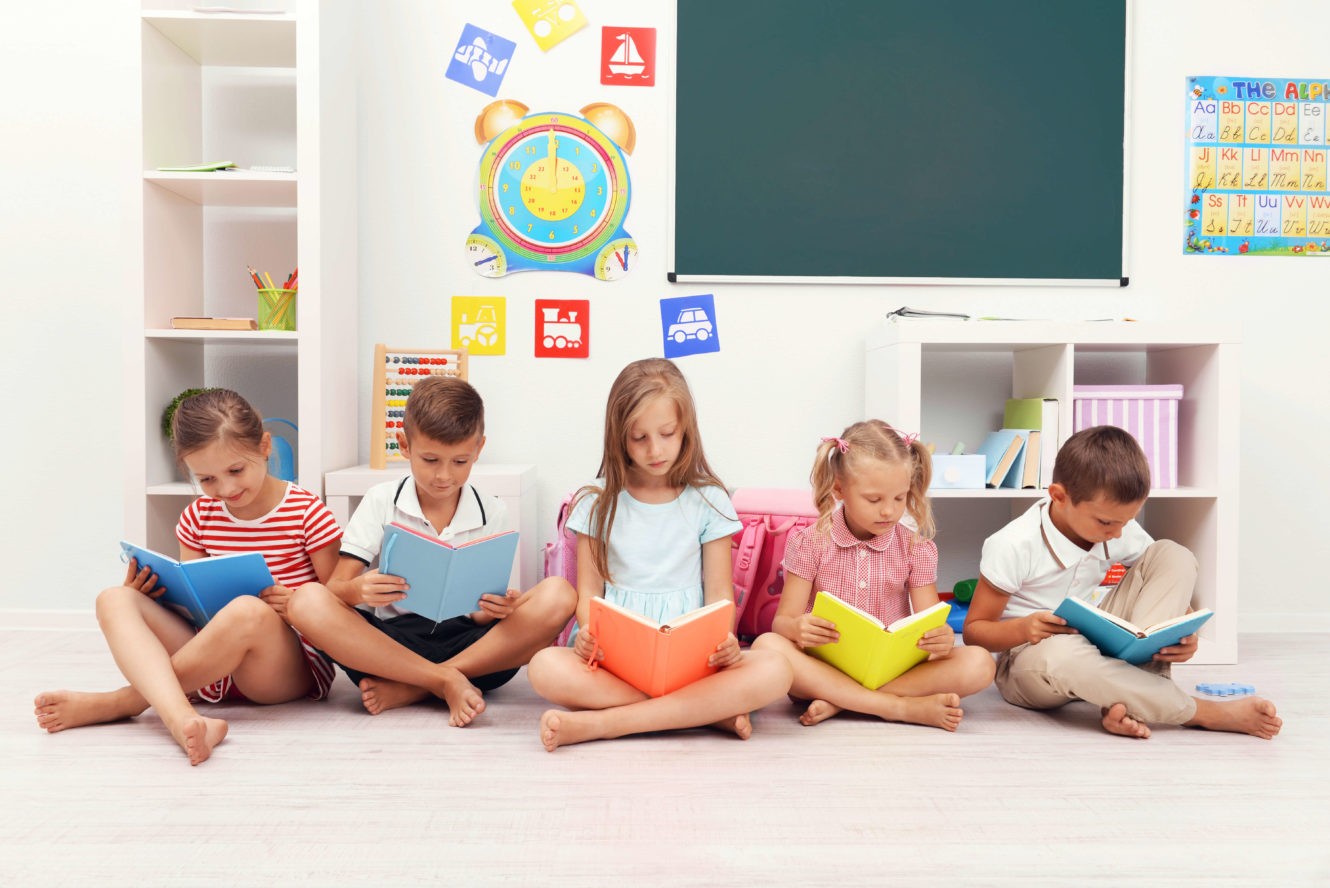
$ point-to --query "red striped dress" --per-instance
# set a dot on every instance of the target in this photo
(298, 525)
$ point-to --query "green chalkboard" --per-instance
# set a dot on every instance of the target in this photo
(955, 140)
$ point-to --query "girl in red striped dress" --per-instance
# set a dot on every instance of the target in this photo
(247, 651)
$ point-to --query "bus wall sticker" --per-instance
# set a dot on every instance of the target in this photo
(688, 325)
(563, 328)
(628, 56)
(1256, 167)
(553, 192)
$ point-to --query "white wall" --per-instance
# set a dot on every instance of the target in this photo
(764, 399)
(70, 261)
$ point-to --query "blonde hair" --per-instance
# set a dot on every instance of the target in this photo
(635, 387)
(216, 415)
(874, 440)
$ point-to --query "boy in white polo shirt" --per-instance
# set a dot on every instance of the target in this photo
(397, 658)
(1067, 545)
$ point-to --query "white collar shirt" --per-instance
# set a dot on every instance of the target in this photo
(1037, 565)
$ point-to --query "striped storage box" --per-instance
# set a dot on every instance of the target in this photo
(1149, 412)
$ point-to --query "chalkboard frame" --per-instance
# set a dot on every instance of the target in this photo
(707, 160)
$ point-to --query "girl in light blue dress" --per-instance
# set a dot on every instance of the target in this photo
(653, 537)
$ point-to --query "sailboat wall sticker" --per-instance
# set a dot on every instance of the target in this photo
(628, 56)
(553, 192)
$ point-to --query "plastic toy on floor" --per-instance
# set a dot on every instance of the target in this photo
(1225, 689)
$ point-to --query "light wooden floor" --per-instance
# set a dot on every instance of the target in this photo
(323, 794)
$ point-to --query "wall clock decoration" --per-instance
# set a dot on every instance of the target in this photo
(553, 192)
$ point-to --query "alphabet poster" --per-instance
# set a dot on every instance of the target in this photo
(1256, 167)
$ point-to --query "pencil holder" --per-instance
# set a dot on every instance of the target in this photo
(277, 309)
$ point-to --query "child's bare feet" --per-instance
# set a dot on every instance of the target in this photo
(381, 694)
(59, 710)
(740, 725)
(1116, 721)
(818, 711)
(560, 728)
(197, 737)
(934, 711)
(1248, 715)
(463, 698)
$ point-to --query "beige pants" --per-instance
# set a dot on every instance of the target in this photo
(1063, 668)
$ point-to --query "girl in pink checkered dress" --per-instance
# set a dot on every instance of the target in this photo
(865, 482)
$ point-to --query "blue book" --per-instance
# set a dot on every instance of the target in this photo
(1004, 457)
(198, 589)
(446, 579)
(1117, 637)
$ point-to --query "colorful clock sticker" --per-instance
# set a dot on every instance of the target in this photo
(553, 192)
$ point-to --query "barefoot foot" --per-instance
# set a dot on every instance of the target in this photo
(818, 711)
(59, 710)
(463, 698)
(1248, 715)
(198, 736)
(740, 725)
(1116, 721)
(934, 711)
(560, 728)
(381, 694)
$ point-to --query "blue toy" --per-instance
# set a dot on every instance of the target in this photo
(282, 459)
(1225, 689)
(956, 618)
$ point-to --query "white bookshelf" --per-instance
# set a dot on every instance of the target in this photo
(949, 380)
(258, 90)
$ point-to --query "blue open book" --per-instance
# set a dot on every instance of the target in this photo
(1116, 637)
(446, 579)
(198, 589)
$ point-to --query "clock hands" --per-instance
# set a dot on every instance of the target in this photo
(553, 160)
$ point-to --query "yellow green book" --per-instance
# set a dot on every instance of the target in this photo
(868, 651)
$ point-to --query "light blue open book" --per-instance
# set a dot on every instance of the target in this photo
(1117, 637)
(198, 589)
(446, 579)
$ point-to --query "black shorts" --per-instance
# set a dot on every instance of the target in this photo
(435, 642)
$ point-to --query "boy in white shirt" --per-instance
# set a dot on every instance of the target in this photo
(398, 658)
(1068, 545)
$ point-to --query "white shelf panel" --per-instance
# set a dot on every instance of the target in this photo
(240, 188)
(172, 488)
(231, 39)
(1032, 495)
(248, 337)
(998, 336)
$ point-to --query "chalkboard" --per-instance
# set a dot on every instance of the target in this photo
(947, 141)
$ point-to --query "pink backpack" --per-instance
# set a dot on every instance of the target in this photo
(561, 559)
(769, 516)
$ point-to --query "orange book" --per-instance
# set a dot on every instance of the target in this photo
(658, 659)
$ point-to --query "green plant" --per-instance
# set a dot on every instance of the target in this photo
(169, 413)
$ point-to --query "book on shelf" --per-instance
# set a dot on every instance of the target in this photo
(214, 324)
(1123, 639)
(1004, 463)
(199, 588)
(446, 579)
(868, 651)
(1040, 414)
(906, 312)
(657, 659)
(215, 166)
(1030, 469)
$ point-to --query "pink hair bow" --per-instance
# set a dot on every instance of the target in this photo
(841, 444)
(908, 438)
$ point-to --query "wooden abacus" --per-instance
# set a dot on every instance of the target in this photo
(396, 370)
